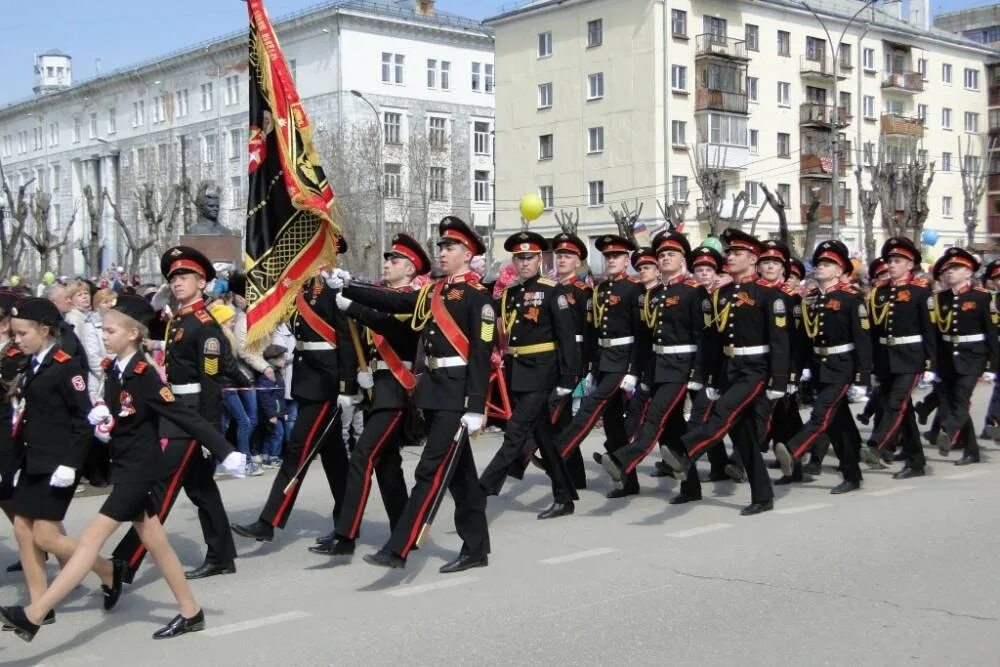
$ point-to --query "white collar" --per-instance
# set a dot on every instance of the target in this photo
(40, 357)
(122, 363)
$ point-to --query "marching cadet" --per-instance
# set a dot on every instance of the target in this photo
(749, 357)
(392, 348)
(966, 319)
(324, 376)
(543, 359)
(195, 356)
(622, 340)
(835, 319)
(899, 308)
(673, 314)
(12, 363)
(134, 400)
(457, 321)
(878, 271)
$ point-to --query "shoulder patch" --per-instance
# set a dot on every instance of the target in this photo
(204, 316)
(79, 383)
(61, 357)
(488, 315)
(106, 363)
(166, 394)
(140, 367)
(212, 346)
(562, 301)
(546, 281)
(779, 306)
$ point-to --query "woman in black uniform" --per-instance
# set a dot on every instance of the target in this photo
(12, 363)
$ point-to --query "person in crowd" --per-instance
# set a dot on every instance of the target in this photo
(271, 399)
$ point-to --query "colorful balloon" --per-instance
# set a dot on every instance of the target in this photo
(930, 237)
(48, 278)
(532, 207)
(713, 242)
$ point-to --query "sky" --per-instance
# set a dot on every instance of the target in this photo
(122, 32)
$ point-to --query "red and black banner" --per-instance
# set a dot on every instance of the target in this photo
(290, 233)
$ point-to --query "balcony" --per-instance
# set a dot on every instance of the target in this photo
(822, 115)
(993, 183)
(706, 99)
(824, 214)
(994, 95)
(818, 68)
(821, 165)
(903, 82)
(724, 157)
(710, 45)
(894, 125)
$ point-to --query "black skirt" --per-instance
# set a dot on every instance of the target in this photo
(130, 501)
(35, 498)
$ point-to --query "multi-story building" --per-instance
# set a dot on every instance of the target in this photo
(426, 78)
(980, 24)
(630, 95)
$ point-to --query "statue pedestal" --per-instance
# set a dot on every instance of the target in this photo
(216, 247)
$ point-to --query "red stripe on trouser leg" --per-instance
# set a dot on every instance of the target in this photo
(575, 440)
(902, 413)
(366, 485)
(697, 448)
(659, 429)
(958, 431)
(424, 506)
(823, 425)
(172, 490)
(303, 455)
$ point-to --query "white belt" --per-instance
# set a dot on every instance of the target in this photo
(972, 338)
(379, 365)
(834, 349)
(746, 351)
(314, 347)
(615, 342)
(183, 389)
(578, 338)
(675, 349)
(901, 340)
(435, 363)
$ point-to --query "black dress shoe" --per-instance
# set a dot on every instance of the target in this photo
(845, 487)
(114, 591)
(15, 567)
(943, 443)
(210, 569)
(899, 456)
(863, 418)
(538, 462)
(676, 462)
(338, 547)
(967, 459)
(661, 469)
(614, 471)
(773, 465)
(464, 562)
(682, 498)
(258, 530)
(326, 538)
(785, 480)
(383, 558)
(813, 467)
(49, 619)
(757, 508)
(908, 472)
(16, 619)
(598, 457)
(735, 473)
(621, 493)
(180, 625)
(557, 510)
(785, 458)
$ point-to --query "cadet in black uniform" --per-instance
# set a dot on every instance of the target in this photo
(747, 356)
(835, 319)
(392, 349)
(457, 321)
(196, 354)
(324, 375)
(904, 348)
(878, 271)
(966, 319)
(12, 363)
(542, 359)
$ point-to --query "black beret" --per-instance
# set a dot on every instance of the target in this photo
(37, 310)
(136, 307)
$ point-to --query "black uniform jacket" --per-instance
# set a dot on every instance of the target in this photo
(388, 393)
(537, 312)
(901, 309)
(457, 387)
(581, 300)
(12, 363)
(838, 317)
(53, 426)
(617, 302)
(673, 313)
(968, 313)
(138, 401)
(322, 375)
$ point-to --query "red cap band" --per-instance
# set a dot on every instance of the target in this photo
(835, 258)
(614, 248)
(187, 265)
(456, 235)
(571, 247)
(669, 244)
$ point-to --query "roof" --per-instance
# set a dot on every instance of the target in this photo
(55, 52)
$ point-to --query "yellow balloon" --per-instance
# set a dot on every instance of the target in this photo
(532, 206)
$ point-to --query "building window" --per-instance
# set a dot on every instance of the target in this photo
(922, 113)
(815, 49)
(971, 78)
(946, 73)
(868, 107)
(595, 86)
(481, 137)
(445, 75)
(922, 155)
(784, 43)
(182, 103)
(753, 88)
(844, 103)
(784, 191)
(679, 188)
(140, 162)
(438, 184)
(945, 161)
(39, 141)
(488, 78)
(678, 23)
(432, 71)
(476, 83)
(678, 77)
(159, 111)
(754, 141)
(595, 32)
(392, 67)
(784, 144)
(753, 191)
(208, 149)
(481, 185)
(237, 200)
(237, 145)
(437, 134)
(922, 68)
(723, 129)
(53, 134)
(946, 118)
(545, 147)
(207, 100)
(971, 122)
(544, 44)
(138, 113)
(678, 133)
(112, 124)
(77, 130)
(845, 56)
(548, 196)
(232, 90)
(715, 26)
(595, 193)
(868, 60)
(7, 145)
(93, 125)
(946, 207)
(784, 92)
(751, 34)
(544, 95)
(392, 184)
(392, 122)
(595, 140)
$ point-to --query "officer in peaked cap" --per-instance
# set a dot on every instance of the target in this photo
(185, 259)
(900, 246)
(525, 243)
(877, 270)
(955, 257)
(612, 244)
(671, 240)
(737, 239)
(644, 256)
(453, 229)
(566, 242)
(706, 256)
(406, 247)
(796, 271)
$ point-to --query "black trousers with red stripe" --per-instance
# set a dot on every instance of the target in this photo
(189, 470)
(562, 416)
(377, 450)
(469, 497)
(312, 420)
(956, 399)
(898, 419)
(831, 415)
(735, 414)
(665, 401)
(606, 399)
(529, 418)
(718, 459)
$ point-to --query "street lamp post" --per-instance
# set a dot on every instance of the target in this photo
(835, 140)
(380, 211)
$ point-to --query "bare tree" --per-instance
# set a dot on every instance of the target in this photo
(712, 183)
(812, 218)
(160, 209)
(973, 182)
(63, 245)
(673, 214)
(625, 219)
(45, 240)
(777, 203)
(12, 239)
(137, 240)
(354, 170)
(568, 222)
(90, 244)
(868, 202)
(902, 182)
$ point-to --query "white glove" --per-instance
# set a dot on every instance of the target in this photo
(102, 431)
(332, 280)
(643, 386)
(235, 464)
(695, 386)
(17, 476)
(857, 393)
(343, 303)
(365, 379)
(345, 402)
(805, 375)
(588, 384)
(929, 377)
(990, 376)
(205, 454)
(98, 414)
(63, 477)
(774, 395)
(563, 391)
(628, 383)
(793, 388)
(356, 399)
(712, 394)
(473, 421)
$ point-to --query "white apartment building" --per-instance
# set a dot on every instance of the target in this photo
(184, 115)
(606, 101)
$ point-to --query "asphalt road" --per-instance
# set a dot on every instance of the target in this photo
(903, 572)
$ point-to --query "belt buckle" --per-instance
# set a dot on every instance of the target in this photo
(729, 350)
(432, 363)
(513, 352)
(890, 340)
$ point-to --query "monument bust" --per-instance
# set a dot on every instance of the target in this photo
(207, 204)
